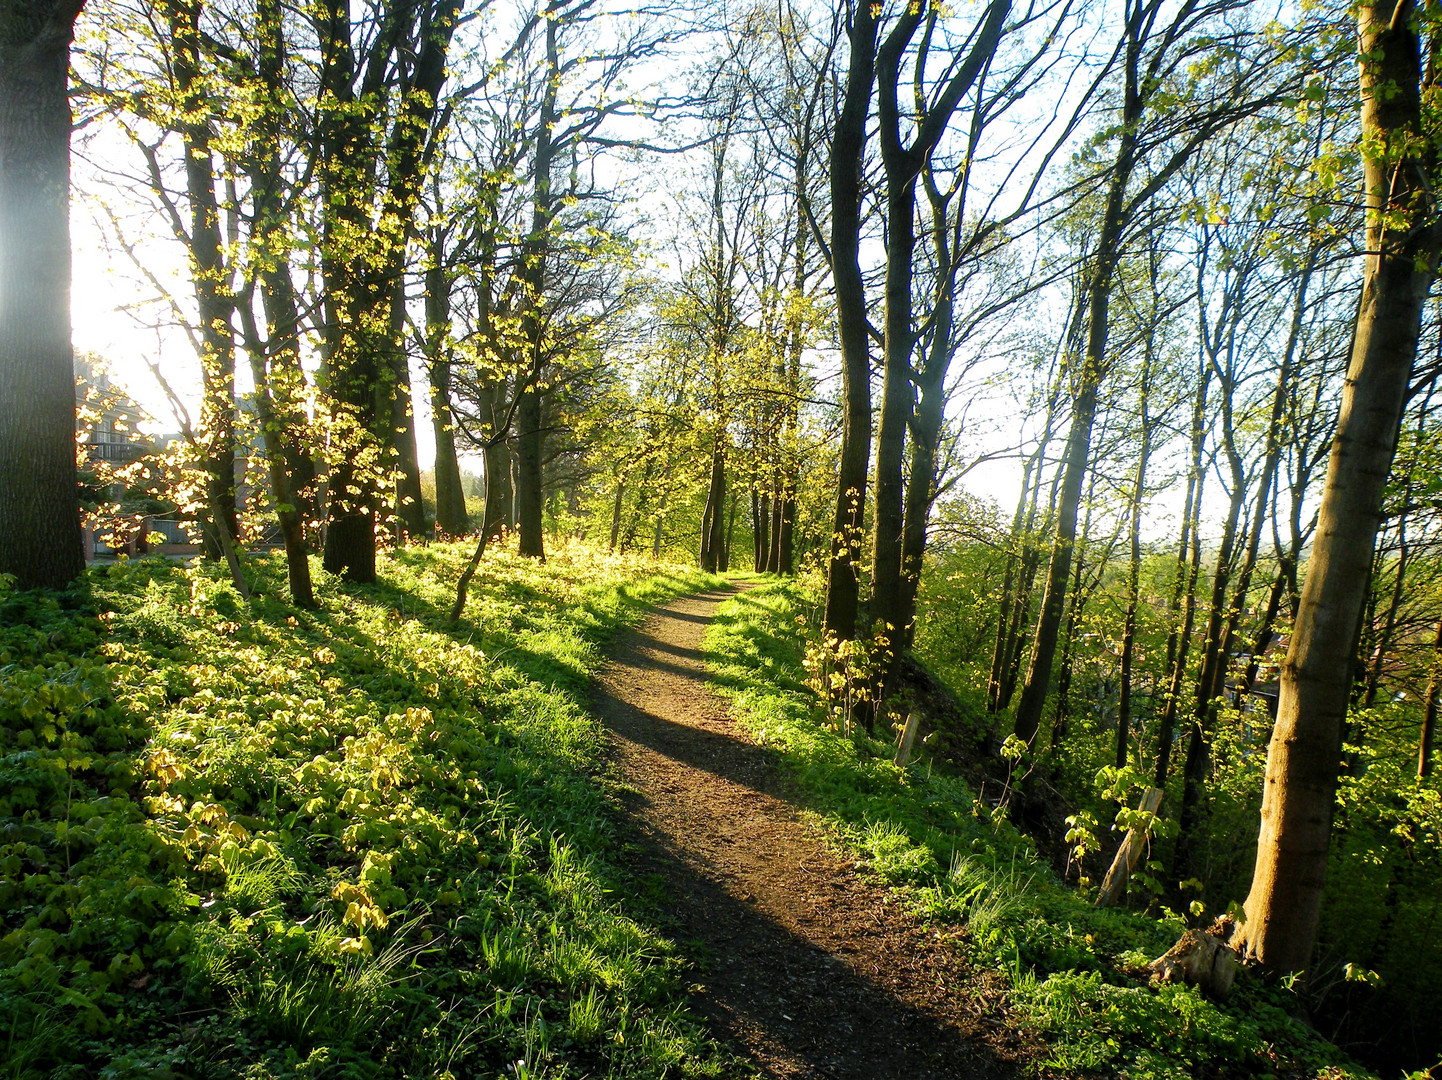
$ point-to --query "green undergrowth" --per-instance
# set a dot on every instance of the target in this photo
(1072, 970)
(241, 840)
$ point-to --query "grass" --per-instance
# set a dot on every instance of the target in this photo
(238, 840)
(1071, 969)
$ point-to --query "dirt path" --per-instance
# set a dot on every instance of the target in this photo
(807, 971)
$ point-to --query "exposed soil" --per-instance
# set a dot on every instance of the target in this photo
(806, 970)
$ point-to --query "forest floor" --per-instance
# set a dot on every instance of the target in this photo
(804, 969)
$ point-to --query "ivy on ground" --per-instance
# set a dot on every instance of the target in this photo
(240, 840)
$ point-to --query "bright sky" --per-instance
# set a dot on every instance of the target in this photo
(117, 316)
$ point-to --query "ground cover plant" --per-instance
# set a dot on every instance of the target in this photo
(1072, 970)
(245, 840)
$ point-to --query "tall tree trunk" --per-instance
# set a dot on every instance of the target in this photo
(500, 512)
(1061, 719)
(40, 541)
(530, 436)
(1184, 593)
(1134, 564)
(1021, 617)
(452, 519)
(274, 437)
(1283, 907)
(1053, 604)
(713, 521)
(761, 531)
(1429, 717)
(1383, 643)
(410, 508)
(264, 164)
(1012, 580)
(1210, 677)
(926, 420)
(215, 305)
(848, 151)
(357, 396)
(405, 169)
(617, 502)
(892, 599)
(725, 561)
(1078, 449)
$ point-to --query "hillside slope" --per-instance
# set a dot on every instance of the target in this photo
(243, 840)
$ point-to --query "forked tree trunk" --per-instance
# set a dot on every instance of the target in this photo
(1053, 604)
(274, 436)
(848, 151)
(1016, 585)
(1284, 905)
(40, 539)
(893, 596)
(264, 164)
(356, 391)
(713, 521)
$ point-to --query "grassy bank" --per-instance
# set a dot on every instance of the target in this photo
(1071, 969)
(242, 840)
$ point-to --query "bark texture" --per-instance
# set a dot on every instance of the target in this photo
(39, 502)
(848, 148)
(1403, 236)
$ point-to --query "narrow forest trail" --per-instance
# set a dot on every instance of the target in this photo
(806, 970)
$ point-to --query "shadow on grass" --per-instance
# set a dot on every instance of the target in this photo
(769, 991)
(798, 1009)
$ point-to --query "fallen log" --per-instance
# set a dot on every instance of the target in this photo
(1114, 885)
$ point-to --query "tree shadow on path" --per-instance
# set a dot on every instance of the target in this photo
(806, 970)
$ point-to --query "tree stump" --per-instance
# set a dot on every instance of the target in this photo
(1201, 958)
(906, 742)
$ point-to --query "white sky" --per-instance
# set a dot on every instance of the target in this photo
(109, 322)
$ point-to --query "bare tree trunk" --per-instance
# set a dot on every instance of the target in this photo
(1053, 604)
(1383, 643)
(893, 582)
(530, 437)
(1134, 570)
(1283, 907)
(1093, 366)
(40, 541)
(1016, 584)
(848, 150)
(452, 518)
(1210, 675)
(1184, 593)
(215, 305)
(1134, 537)
(410, 508)
(1429, 717)
(713, 521)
